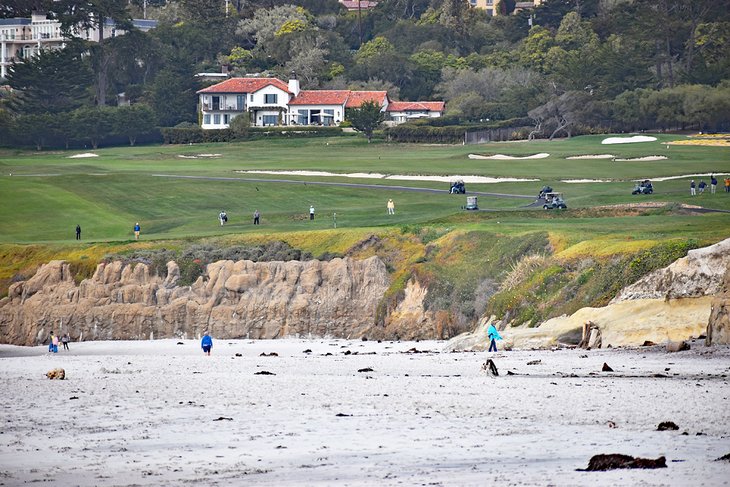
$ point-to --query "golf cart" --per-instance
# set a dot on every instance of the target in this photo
(554, 201)
(457, 187)
(471, 203)
(643, 187)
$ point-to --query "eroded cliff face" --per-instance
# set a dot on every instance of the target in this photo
(233, 300)
(718, 327)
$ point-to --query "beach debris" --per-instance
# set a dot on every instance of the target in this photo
(343, 415)
(223, 418)
(606, 368)
(534, 362)
(648, 343)
(239, 355)
(307, 351)
(180, 343)
(591, 336)
(415, 350)
(677, 346)
(724, 458)
(58, 373)
(490, 367)
(612, 425)
(264, 372)
(271, 354)
(72, 398)
(366, 369)
(614, 461)
(667, 426)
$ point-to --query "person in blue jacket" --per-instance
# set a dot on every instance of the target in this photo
(493, 335)
(206, 343)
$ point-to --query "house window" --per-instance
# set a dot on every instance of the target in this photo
(303, 117)
(251, 98)
(217, 119)
(328, 117)
(239, 102)
(216, 103)
(270, 99)
(226, 119)
(270, 119)
(206, 119)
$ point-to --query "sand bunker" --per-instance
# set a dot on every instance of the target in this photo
(585, 180)
(687, 176)
(183, 156)
(628, 140)
(593, 156)
(541, 155)
(85, 154)
(645, 158)
(396, 177)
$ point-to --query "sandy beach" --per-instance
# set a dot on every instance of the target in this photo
(337, 412)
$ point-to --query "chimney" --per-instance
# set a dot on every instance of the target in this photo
(294, 84)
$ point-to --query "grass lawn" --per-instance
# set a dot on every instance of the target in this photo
(49, 193)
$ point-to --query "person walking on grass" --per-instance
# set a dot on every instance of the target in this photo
(311, 212)
(713, 184)
(256, 217)
(692, 186)
(206, 343)
(702, 186)
(222, 217)
(137, 229)
(727, 185)
(391, 207)
(78, 232)
(493, 336)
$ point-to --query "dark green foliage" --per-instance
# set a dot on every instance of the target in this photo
(366, 118)
(196, 135)
(54, 81)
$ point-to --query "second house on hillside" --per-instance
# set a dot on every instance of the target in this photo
(272, 102)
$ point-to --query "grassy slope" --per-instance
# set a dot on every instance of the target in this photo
(427, 236)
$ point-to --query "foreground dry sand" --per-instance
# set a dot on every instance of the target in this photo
(161, 413)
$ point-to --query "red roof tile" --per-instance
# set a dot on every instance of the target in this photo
(416, 106)
(357, 98)
(321, 97)
(245, 85)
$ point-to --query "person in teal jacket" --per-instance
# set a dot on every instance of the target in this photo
(206, 343)
(493, 335)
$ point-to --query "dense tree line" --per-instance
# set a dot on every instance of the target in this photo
(569, 64)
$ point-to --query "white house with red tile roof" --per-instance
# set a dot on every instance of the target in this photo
(403, 111)
(265, 99)
(270, 101)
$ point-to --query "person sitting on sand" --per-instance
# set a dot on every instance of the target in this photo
(206, 343)
(493, 335)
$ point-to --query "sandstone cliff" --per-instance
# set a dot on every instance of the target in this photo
(232, 300)
(670, 304)
(718, 327)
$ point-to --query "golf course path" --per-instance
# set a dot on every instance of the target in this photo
(344, 185)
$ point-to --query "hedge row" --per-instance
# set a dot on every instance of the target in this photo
(196, 135)
(454, 134)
